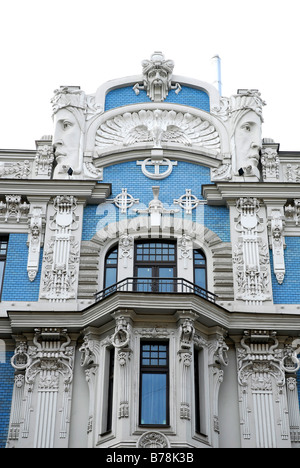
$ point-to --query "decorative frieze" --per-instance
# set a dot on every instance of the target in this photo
(15, 170)
(292, 173)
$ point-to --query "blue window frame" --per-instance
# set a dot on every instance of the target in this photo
(200, 269)
(154, 384)
(111, 267)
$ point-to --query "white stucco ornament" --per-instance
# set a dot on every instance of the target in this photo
(162, 167)
(157, 78)
(158, 127)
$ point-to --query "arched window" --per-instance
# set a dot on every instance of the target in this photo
(200, 277)
(111, 267)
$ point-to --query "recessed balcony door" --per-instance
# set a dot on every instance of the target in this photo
(155, 266)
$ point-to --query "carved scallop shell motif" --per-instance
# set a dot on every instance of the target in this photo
(158, 127)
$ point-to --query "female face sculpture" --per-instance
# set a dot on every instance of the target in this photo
(66, 142)
(248, 142)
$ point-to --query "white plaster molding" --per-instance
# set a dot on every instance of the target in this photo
(153, 439)
(217, 357)
(160, 127)
(155, 209)
(36, 221)
(44, 159)
(168, 111)
(157, 78)
(250, 256)
(188, 201)
(13, 209)
(276, 220)
(48, 367)
(123, 200)
(61, 256)
(270, 164)
(15, 170)
(157, 161)
(261, 380)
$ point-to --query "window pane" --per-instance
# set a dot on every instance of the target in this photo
(200, 277)
(166, 285)
(110, 277)
(154, 355)
(154, 399)
(144, 285)
(155, 252)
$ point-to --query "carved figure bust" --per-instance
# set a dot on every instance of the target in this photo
(248, 142)
(69, 122)
(246, 118)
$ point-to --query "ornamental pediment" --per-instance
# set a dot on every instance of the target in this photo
(157, 110)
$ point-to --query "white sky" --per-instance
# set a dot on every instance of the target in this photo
(46, 44)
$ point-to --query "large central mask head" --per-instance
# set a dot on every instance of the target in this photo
(157, 74)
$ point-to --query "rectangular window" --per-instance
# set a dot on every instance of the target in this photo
(154, 382)
(110, 389)
(3, 253)
(199, 392)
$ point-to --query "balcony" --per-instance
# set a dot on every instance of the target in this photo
(156, 286)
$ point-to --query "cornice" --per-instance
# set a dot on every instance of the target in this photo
(222, 192)
(154, 307)
(91, 191)
(17, 153)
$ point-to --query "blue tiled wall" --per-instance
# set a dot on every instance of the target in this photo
(288, 292)
(187, 96)
(6, 390)
(184, 176)
(16, 285)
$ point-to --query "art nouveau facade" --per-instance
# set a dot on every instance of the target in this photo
(149, 272)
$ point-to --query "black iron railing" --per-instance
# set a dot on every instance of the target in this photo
(156, 286)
